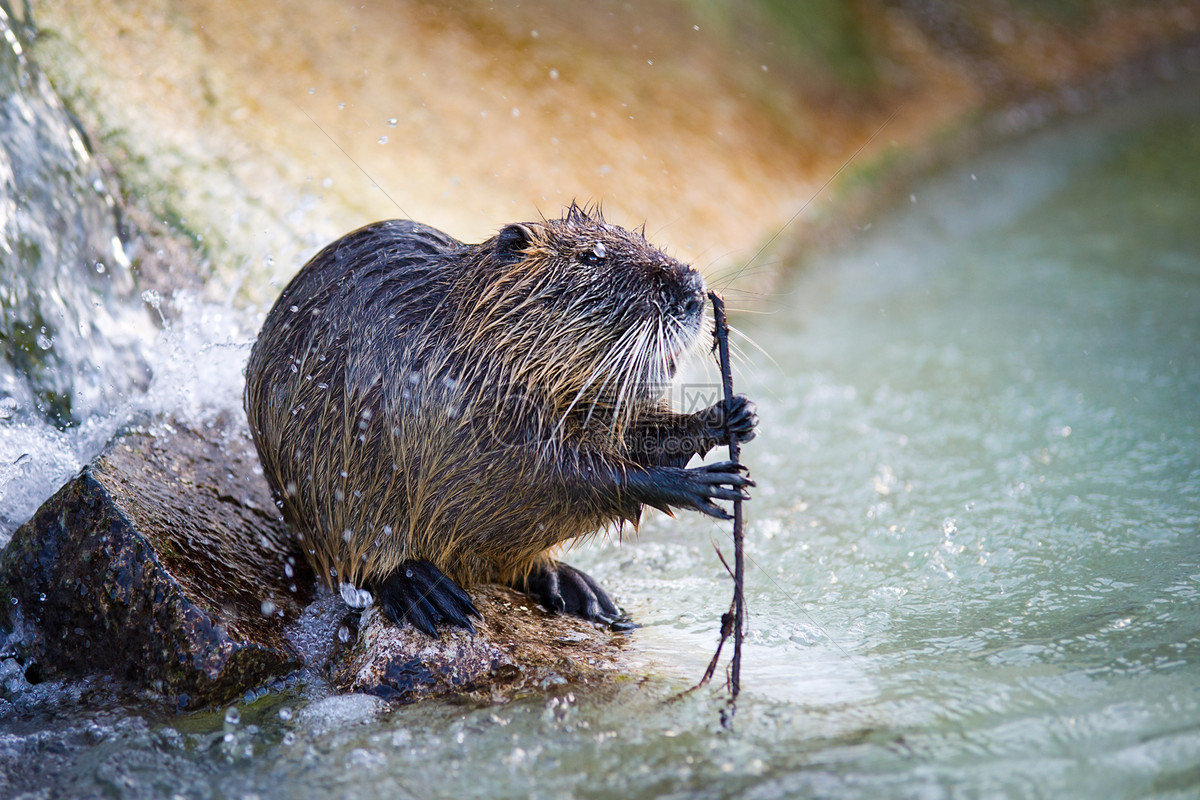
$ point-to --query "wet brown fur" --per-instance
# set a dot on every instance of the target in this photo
(412, 397)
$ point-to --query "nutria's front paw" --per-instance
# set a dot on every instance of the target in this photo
(725, 480)
(743, 417)
(563, 588)
(419, 593)
(738, 415)
(695, 488)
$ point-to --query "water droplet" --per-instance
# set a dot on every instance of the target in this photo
(553, 74)
(343, 634)
(43, 341)
(598, 250)
(949, 526)
(232, 716)
(382, 140)
(285, 713)
(267, 607)
(42, 597)
(312, 90)
(289, 570)
(392, 122)
(341, 106)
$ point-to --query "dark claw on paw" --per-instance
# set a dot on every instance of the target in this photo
(419, 593)
(563, 588)
(743, 417)
(696, 488)
(738, 415)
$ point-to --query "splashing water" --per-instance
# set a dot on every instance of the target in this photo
(82, 354)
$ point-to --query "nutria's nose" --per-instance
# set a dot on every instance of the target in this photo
(693, 286)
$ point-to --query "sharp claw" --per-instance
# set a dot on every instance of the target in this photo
(420, 595)
(568, 590)
(714, 510)
(456, 616)
(418, 614)
(459, 601)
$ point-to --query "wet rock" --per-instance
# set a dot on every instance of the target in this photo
(518, 646)
(162, 563)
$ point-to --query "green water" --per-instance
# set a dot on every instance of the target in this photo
(974, 550)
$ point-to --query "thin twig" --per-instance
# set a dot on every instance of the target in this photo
(726, 630)
(721, 335)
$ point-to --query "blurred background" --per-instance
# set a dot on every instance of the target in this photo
(260, 131)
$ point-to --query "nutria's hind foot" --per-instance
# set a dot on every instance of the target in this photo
(418, 593)
(563, 588)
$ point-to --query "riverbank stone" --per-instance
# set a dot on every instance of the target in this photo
(517, 647)
(165, 565)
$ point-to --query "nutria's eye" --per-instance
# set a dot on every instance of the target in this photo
(694, 306)
(594, 256)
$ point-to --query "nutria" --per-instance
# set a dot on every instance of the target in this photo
(431, 414)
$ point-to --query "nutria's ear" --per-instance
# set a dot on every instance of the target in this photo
(512, 239)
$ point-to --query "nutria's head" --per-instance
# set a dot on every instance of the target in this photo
(583, 306)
